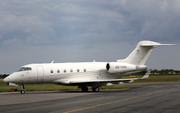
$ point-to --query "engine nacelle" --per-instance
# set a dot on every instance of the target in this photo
(115, 67)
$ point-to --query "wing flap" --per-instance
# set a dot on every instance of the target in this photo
(111, 80)
(101, 81)
(68, 82)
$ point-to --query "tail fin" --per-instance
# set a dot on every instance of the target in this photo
(141, 53)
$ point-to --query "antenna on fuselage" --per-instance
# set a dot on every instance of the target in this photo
(52, 62)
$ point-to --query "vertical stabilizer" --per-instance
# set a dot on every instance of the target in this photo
(141, 53)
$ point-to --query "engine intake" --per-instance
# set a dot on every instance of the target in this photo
(115, 67)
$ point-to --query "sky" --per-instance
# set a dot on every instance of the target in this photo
(40, 31)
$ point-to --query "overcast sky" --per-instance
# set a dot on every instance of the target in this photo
(39, 31)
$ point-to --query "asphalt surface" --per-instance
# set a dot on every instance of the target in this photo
(141, 98)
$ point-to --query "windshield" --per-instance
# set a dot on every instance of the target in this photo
(25, 69)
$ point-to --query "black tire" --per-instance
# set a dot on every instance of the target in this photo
(22, 91)
(95, 89)
(84, 89)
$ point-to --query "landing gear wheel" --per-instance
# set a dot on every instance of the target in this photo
(95, 89)
(22, 91)
(84, 89)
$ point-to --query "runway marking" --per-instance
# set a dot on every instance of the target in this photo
(119, 100)
(153, 93)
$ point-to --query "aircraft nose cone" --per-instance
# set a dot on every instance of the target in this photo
(6, 79)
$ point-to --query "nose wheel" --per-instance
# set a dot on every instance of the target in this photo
(22, 89)
(96, 89)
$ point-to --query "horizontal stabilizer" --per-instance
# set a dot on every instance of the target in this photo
(155, 45)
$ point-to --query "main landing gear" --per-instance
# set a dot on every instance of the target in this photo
(96, 89)
(85, 89)
(22, 89)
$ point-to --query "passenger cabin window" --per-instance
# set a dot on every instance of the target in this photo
(25, 69)
(77, 70)
(51, 71)
(84, 69)
(71, 70)
(64, 70)
(58, 71)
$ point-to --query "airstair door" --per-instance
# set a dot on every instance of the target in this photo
(40, 74)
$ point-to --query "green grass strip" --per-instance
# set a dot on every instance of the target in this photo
(49, 87)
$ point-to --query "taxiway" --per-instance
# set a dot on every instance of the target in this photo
(147, 97)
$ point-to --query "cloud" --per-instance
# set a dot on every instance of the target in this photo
(11, 43)
(49, 29)
(55, 20)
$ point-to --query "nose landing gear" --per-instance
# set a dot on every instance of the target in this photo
(22, 89)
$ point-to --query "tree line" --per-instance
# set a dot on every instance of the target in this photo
(3, 75)
(163, 72)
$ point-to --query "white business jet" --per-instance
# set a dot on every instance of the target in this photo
(94, 74)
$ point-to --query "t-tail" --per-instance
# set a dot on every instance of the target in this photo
(141, 53)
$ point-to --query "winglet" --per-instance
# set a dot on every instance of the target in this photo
(147, 74)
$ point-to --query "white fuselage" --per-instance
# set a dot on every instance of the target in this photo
(62, 73)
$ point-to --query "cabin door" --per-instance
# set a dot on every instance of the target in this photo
(40, 74)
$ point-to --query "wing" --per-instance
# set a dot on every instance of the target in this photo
(111, 80)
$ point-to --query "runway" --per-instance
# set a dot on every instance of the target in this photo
(141, 98)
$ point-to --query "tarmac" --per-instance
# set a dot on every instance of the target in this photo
(141, 98)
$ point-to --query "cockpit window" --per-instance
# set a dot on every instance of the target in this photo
(25, 69)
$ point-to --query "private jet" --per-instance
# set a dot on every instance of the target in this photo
(84, 74)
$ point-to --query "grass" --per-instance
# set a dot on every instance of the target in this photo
(53, 87)
(49, 87)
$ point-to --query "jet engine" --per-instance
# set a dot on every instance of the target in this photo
(115, 67)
